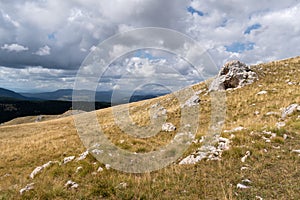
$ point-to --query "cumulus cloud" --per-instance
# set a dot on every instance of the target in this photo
(58, 35)
(14, 47)
(43, 51)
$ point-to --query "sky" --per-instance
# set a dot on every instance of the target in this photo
(43, 43)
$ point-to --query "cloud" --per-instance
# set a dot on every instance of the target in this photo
(43, 51)
(14, 47)
(58, 35)
(36, 79)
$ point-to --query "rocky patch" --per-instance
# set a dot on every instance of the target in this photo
(233, 74)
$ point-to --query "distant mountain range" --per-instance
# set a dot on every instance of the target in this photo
(8, 94)
(84, 95)
(14, 105)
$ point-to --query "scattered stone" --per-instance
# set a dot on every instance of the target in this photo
(39, 118)
(38, 169)
(78, 169)
(83, 155)
(169, 127)
(240, 128)
(28, 187)
(6, 175)
(208, 152)
(246, 181)
(272, 113)
(262, 92)
(100, 169)
(233, 74)
(243, 159)
(155, 105)
(280, 124)
(285, 136)
(290, 110)
(258, 197)
(122, 185)
(244, 168)
(68, 159)
(276, 147)
(193, 101)
(242, 186)
(256, 113)
(296, 151)
(160, 112)
(107, 166)
(97, 151)
(71, 184)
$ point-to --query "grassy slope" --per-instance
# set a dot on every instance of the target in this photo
(275, 173)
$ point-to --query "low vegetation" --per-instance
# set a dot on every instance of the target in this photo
(271, 171)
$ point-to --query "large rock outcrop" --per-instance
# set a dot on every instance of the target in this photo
(233, 74)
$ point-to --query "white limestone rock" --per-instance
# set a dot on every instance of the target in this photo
(83, 155)
(233, 74)
(168, 127)
(71, 184)
(38, 169)
(290, 110)
(28, 187)
(68, 159)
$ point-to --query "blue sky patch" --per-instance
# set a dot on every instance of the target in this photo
(253, 27)
(51, 36)
(193, 10)
(143, 54)
(238, 47)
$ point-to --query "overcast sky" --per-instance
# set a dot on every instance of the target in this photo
(44, 42)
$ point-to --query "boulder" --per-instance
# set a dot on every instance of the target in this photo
(290, 110)
(233, 74)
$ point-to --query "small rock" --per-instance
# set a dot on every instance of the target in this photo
(122, 185)
(82, 156)
(246, 181)
(296, 151)
(168, 127)
(243, 159)
(193, 101)
(68, 159)
(107, 166)
(258, 197)
(38, 169)
(256, 113)
(242, 186)
(39, 118)
(6, 175)
(272, 113)
(262, 92)
(78, 169)
(28, 187)
(240, 128)
(71, 184)
(97, 151)
(244, 168)
(100, 169)
(289, 110)
(285, 136)
(280, 124)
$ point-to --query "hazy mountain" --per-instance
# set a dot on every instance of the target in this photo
(87, 95)
(8, 94)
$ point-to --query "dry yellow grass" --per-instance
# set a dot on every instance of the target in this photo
(274, 171)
